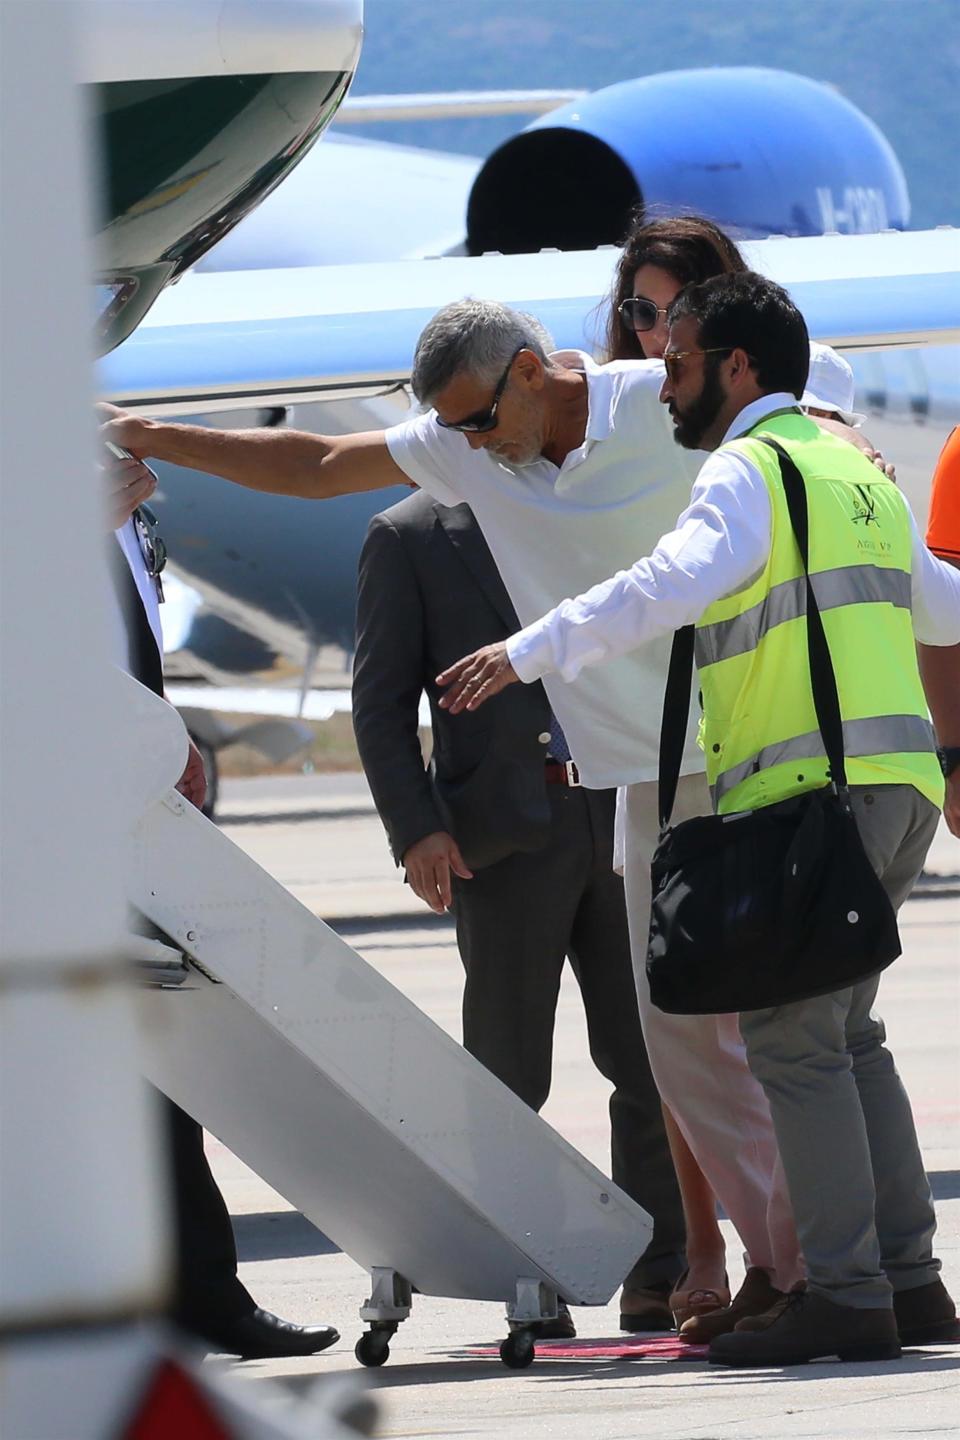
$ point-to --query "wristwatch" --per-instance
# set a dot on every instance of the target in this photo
(949, 757)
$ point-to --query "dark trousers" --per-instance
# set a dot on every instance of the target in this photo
(516, 923)
(207, 1292)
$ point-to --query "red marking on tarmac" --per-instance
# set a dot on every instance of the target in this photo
(665, 1347)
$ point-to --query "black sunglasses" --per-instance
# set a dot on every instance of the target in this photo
(638, 313)
(483, 420)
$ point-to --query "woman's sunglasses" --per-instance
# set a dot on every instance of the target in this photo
(638, 313)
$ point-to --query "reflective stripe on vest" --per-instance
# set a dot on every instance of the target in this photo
(759, 727)
(879, 735)
(848, 585)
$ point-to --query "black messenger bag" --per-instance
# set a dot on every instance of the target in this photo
(763, 907)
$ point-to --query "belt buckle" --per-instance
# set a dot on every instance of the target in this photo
(573, 774)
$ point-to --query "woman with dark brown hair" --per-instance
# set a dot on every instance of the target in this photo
(658, 259)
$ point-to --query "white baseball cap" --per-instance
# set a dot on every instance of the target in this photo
(830, 385)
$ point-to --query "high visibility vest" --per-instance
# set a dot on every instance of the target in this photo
(759, 728)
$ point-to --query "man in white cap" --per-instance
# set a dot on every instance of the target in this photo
(830, 388)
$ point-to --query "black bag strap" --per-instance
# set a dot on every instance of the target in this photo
(823, 680)
(673, 726)
(676, 699)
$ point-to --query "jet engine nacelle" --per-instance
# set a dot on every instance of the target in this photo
(762, 152)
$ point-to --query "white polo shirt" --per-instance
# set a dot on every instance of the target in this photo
(556, 531)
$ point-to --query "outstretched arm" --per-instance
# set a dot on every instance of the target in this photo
(280, 462)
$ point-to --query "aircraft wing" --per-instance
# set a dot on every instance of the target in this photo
(262, 337)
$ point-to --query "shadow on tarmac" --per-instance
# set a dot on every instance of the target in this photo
(279, 1235)
(295, 817)
(945, 1184)
(913, 1362)
(403, 920)
(454, 1371)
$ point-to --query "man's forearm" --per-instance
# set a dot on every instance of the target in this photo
(940, 672)
(280, 462)
(940, 669)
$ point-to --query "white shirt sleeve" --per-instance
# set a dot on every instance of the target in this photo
(720, 542)
(433, 458)
(935, 594)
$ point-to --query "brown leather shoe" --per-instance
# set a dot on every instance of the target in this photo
(764, 1321)
(925, 1314)
(755, 1295)
(645, 1308)
(810, 1327)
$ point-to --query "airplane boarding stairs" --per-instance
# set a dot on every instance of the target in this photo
(347, 1099)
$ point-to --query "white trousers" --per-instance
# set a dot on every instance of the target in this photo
(700, 1066)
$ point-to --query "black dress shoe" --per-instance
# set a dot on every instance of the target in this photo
(262, 1336)
(561, 1327)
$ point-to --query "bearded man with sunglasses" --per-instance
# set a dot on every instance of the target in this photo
(736, 368)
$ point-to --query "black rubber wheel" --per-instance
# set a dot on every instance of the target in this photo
(518, 1350)
(373, 1348)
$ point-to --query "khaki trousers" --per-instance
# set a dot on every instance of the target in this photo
(700, 1067)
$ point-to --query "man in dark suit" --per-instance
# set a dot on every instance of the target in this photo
(209, 1300)
(498, 830)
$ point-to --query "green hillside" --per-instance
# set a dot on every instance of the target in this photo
(898, 60)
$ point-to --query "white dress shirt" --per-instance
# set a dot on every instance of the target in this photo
(554, 530)
(720, 541)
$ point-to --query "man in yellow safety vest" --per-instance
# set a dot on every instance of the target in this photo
(736, 367)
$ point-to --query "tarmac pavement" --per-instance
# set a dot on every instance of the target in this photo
(320, 837)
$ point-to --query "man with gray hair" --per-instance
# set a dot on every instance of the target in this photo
(566, 464)
(571, 471)
(473, 335)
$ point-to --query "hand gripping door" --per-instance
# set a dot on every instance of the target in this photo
(763, 907)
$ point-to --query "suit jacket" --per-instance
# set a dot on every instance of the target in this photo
(429, 593)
